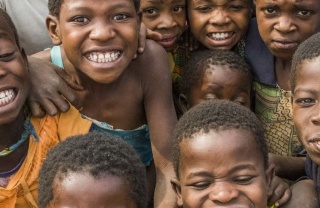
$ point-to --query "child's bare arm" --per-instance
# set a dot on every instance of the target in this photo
(303, 195)
(161, 118)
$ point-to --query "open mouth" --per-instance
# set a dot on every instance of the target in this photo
(167, 42)
(7, 96)
(220, 35)
(99, 57)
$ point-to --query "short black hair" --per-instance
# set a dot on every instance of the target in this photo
(307, 50)
(205, 59)
(55, 5)
(217, 115)
(98, 154)
(8, 20)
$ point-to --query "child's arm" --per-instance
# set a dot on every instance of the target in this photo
(303, 195)
(161, 118)
(290, 168)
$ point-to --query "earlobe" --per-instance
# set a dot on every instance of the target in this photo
(52, 23)
(183, 102)
(176, 186)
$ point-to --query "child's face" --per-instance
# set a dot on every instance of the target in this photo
(82, 190)
(306, 107)
(220, 82)
(222, 169)
(14, 77)
(219, 24)
(100, 37)
(284, 24)
(167, 17)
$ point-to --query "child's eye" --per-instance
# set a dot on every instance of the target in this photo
(305, 102)
(120, 17)
(270, 10)
(304, 13)
(200, 185)
(81, 19)
(243, 180)
(178, 8)
(6, 56)
(203, 9)
(150, 11)
(236, 7)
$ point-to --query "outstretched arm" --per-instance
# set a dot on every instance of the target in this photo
(161, 118)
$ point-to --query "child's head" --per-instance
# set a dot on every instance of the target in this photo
(215, 74)
(167, 17)
(219, 24)
(99, 37)
(15, 83)
(220, 157)
(305, 76)
(92, 170)
(284, 24)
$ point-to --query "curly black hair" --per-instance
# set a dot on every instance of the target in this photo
(217, 115)
(307, 50)
(8, 20)
(200, 61)
(55, 5)
(98, 154)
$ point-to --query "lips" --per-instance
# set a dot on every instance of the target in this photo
(7, 96)
(103, 57)
(168, 41)
(314, 142)
(285, 44)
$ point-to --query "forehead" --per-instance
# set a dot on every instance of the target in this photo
(5, 29)
(308, 70)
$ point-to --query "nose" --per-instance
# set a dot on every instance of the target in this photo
(223, 192)
(166, 21)
(102, 31)
(219, 17)
(315, 119)
(285, 24)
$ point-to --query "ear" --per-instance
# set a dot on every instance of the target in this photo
(176, 186)
(270, 174)
(183, 102)
(53, 28)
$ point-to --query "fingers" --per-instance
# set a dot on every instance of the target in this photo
(45, 106)
(36, 110)
(142, 38)
(153, 35)
(279, 193)
(285, 197)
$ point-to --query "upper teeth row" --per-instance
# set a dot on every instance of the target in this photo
(104, 57)
(220, 35)
(6, 93)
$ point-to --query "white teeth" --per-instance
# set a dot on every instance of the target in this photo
(103, 57)
(220, 36)
(6, 96)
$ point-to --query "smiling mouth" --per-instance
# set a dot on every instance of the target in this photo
(220, 35)
(6, 97)
(99, 57)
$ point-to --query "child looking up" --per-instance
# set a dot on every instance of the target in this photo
(282, 25)
(215, 74)
(220, 157)
(220, 24)
(305, 76)
(125, 96)
(24, 141)
(103, 172)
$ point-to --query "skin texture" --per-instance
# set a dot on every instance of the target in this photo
(106, 192)
(220, 82)
(167, 17)
(140, 89)
(13, 75)
(208, 17)
(306, 97)
(284, 24)
(212, 173)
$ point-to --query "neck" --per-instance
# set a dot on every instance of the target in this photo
(283, 68)
(11, 133)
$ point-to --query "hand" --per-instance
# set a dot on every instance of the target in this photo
(280, 192)
(145, 33)
(51, 89)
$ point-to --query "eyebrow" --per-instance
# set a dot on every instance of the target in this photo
(4, 35)
(235, 169)
(299, 89)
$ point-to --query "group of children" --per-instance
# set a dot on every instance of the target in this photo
(137, 98)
